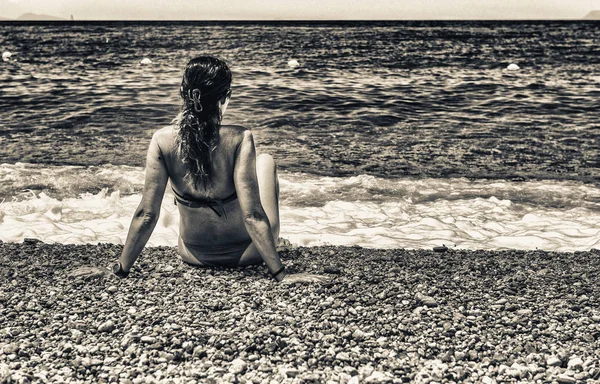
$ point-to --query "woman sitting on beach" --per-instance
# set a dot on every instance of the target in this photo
(228, 197)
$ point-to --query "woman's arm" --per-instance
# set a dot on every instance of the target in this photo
(255, 218)
(147, 213)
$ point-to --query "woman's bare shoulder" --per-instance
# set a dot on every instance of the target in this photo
(233, 130)
(165, 132)
(165, 137)
(233, 134)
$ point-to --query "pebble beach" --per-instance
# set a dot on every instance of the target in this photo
(386, 316)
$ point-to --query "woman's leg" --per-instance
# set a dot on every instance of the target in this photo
(268, 186)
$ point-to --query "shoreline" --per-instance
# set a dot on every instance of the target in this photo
(388, 315)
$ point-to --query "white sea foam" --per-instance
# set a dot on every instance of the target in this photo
(95, 204)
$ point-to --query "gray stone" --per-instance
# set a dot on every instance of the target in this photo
(199, 351)
(553, 361)
(426, 300)
(107, 326)
(377, 377)
(566, 379)
(358, 335)
(238, 366)
(86, 273)
(291, 372)
(350, 370)
(126, 341)
(10, 349)
(343, 356)
(148, 339)
(575, 363)
(525, 312)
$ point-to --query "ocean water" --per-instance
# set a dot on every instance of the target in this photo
(388, 134)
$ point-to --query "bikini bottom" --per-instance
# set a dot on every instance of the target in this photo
(228, 255)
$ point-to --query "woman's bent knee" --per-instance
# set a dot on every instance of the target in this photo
(265, 162)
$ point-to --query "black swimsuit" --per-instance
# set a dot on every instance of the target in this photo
(227, 255)
(213, 204)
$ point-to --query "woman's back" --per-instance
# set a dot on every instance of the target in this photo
(204, 225)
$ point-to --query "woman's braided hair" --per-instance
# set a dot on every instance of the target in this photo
(206, 82)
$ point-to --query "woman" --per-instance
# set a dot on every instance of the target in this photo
(226, 195)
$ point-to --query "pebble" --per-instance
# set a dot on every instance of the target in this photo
(199, 351)
(509, 291)
(525, 312)
(312, 378)
(112, 289)
(366, 370)
(89, 362)
(238, 366)
(350, 370)
(553, 361)
(566, 379)
(426, 300)
(291, 372)
(358, 335)
(148, 339)
(343, 356)
(339, 344)
(10, 349)
(575, 363)
(518, 370)
(473, 355)
(126, 341)
(107, 326)
(86, 273)
(377, 377)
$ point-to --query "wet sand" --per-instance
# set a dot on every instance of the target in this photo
(386, 316)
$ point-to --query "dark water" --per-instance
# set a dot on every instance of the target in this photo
(380, 98)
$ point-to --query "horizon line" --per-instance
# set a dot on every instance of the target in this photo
(60, 19)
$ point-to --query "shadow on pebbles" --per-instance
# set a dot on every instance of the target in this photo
(387, 316)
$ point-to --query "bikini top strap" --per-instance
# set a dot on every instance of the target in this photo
(212, 204)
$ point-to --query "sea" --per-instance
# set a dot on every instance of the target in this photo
(395, 134)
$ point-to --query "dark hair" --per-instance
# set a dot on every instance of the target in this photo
(206, 81)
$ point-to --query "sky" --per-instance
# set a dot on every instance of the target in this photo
(301, 9)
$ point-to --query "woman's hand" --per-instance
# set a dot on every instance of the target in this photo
(304, 278)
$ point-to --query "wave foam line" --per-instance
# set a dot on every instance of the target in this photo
(362, 210)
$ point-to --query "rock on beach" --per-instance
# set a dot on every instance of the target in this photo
(107, 326)
(391, 316)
